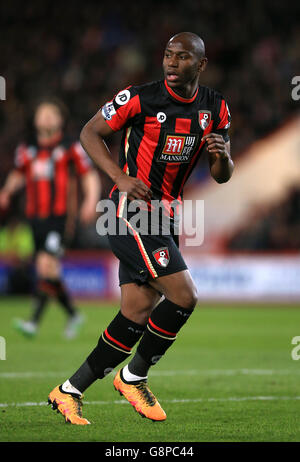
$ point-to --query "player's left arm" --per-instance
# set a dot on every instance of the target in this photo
(218, 143)
(220, 162)
(89, 182)
(91, 189)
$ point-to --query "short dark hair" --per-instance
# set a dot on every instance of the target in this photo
(55, 101)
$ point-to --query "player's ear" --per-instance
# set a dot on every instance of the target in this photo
(202, 64)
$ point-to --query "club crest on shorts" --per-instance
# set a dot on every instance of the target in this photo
(162, 256)
(204, 119)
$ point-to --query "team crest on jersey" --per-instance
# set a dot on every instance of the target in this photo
(229, 117)
(204, 119)
(162, 256)
(178, 148)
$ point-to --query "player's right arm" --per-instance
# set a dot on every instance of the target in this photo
(16, 178)
(91, 138)
(13, 183)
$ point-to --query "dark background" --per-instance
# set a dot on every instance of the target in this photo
(86, 52)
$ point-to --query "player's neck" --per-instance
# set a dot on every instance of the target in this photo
(47, 140)
(187, 91)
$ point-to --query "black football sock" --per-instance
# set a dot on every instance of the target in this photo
(48, 287)
(164, 323)
(83, 377)
(138, 366)
(41, 297)
(114, 345)
(40, 304)
(64, 298)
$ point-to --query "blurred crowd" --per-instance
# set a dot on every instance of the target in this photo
(272, 228)
(85, 52)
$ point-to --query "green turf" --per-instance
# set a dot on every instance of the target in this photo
(228, 377)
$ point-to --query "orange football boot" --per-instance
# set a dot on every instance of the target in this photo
(69, 405)
(141, 398)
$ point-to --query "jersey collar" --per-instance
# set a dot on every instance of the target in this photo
(180, 98)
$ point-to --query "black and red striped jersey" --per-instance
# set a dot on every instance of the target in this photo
(162, 133)
(46, 172)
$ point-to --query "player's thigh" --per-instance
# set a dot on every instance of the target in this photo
(177, 287)
(47, 265)
(138, 301)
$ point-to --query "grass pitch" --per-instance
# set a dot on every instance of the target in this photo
(229, 377)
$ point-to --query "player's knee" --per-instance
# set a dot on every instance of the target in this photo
(188, 298)
(137, 303)
(47, 266)
(190, 301)
(137, 313)
(138, 316)
(41, 265)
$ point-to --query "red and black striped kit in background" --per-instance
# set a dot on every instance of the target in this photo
(47, 173)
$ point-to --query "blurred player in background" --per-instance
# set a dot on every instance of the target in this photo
(44, 166)
(166, 126)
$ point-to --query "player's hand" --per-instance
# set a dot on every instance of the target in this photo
(216, 145)
(4, 199)
(134, 187)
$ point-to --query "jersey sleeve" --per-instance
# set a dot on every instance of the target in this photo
(21, 158)
(124, 107)
(80, 158)
(223, 119)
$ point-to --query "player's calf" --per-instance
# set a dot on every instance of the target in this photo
(163, 326)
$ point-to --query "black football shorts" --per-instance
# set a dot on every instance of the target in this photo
(143, 256)
(48, 234)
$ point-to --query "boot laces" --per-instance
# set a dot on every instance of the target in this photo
(146, 393)
(77, 406)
